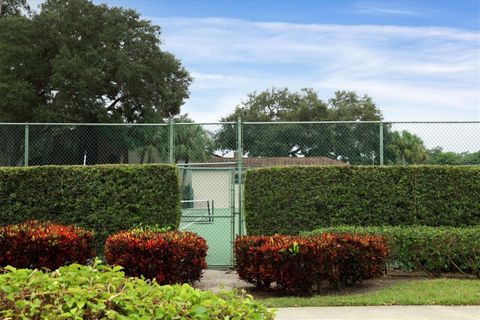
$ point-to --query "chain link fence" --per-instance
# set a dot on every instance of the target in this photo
(356, 143)
(212, 157)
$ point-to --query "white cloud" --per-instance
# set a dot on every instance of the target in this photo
(369, 9)
(412, 73)
(432, 72)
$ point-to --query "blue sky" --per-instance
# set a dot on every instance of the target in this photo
(448, 13)
(418, 60)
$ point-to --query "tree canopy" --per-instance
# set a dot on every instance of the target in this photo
(80, 62)
(405, 148)
(438, 156)
(352, 143)
(13, 7)
(75, 61)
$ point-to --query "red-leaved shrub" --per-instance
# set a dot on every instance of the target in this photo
(301, 264)
(169, 257)
(40, 244)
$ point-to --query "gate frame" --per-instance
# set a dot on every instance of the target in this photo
(233, 216)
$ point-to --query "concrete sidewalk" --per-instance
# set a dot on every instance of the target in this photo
(381, 313)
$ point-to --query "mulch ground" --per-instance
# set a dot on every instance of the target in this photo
(217, 280)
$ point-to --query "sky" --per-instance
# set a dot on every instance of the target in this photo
(419, 60)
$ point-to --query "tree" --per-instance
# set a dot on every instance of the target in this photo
(354, 143)
(472, 158)
(13, 7)
(348, 106)
(406, 148)
(192, 143)
(438, 156)
(80, 62)
(280, 105)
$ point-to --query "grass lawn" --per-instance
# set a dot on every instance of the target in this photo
(411, 292)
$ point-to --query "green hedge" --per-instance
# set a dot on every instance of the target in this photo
(105, 198)
(289, 200)
(101, 292)
(432, 249)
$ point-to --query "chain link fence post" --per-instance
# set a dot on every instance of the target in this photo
(381, 143)
(239, 161)
(26, 145)
(171, 141)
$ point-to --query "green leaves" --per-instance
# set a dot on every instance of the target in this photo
(435, 250)
(81, 62)
(109, 295)
(295, 249)
(97, 198)
(13, 7)
(290, 200)
(355, 143)
(405, 148)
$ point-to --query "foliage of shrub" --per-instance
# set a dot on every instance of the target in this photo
(432, 249)
(99, 292)
(290, 200)
(106, 198)
(301, 264)
(35, 244)
(167, 256)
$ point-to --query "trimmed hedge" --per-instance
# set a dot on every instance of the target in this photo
(300, 264)
(432, 249)
(289, 200)
(100, 292)
(106, 198)
(35, 244)
(169, 257)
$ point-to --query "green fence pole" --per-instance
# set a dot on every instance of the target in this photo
(381, 143)
(171, 141)
(239, 171)
(26, 146)
(232, 212)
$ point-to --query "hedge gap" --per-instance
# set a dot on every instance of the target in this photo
(289, 200)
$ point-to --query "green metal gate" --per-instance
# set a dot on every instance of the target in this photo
(209, 209)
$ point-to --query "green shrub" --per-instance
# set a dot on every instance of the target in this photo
(432, 249)
(289, 200)
(83, 292)
(104, 198)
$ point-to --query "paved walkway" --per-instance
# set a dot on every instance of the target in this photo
(381, 313)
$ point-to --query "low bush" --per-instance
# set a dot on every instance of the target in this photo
(433, 249)
(35, 244)
(301, 264)
(167, 256)
(104, 198)
(290, 200)
(100, 292)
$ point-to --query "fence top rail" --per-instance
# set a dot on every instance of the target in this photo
(205, 163)
(230, 122)
(110, 124)
(351, 122)
(82, 124)
(205, 123)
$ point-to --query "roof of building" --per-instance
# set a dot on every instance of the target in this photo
(258, 162)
